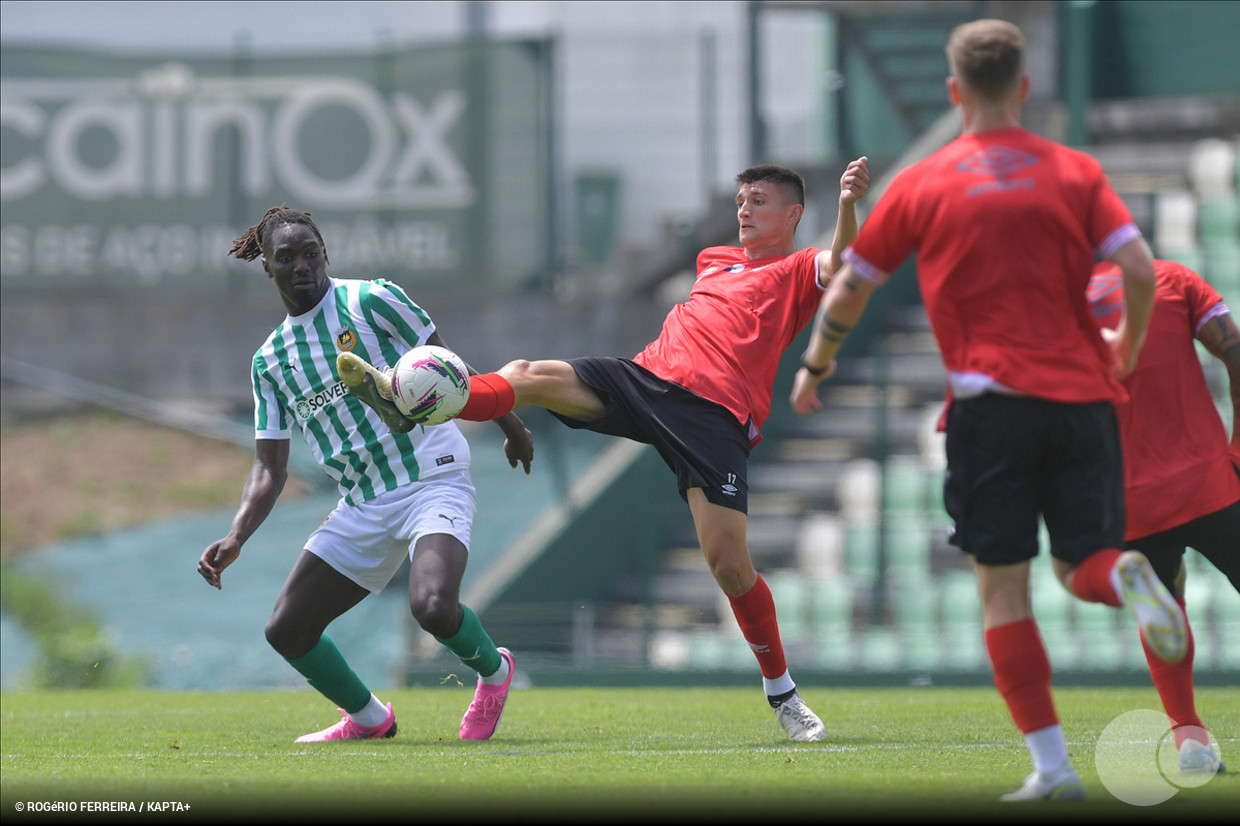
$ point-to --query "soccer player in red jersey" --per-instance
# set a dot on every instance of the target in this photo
(701, 391)
(1181, 477)
(1006, 225)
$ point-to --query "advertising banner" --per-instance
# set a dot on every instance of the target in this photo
(427, 165)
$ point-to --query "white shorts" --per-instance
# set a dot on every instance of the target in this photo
(368, 542)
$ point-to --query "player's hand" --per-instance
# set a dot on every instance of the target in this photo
(804, 396)
(218, 556)
(519, 448)
(855, 181)
(1123, 354)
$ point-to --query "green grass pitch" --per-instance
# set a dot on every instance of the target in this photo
(571, 754)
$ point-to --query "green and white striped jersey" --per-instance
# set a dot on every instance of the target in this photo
(296, 385)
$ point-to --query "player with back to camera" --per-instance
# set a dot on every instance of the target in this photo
(1005, 225)
(701, 391)
(405, 489)
(1182, 477)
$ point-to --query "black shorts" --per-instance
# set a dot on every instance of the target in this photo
(1216, 536)
(1013, 459)
(700, 440)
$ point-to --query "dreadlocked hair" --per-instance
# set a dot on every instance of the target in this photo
(249, 245)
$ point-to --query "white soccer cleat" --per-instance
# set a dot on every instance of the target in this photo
(353, 369)
(801, 724)
(1064, 784)
(1199, 758)
(1159, 615)
(374, 387)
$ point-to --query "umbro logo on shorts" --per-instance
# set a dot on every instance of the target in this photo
(445, 460)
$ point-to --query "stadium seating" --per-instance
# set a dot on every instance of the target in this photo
(963, 643)
(832, 605)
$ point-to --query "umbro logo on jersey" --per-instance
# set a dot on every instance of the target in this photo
(346, 340)
(996, 164)
(997, 160)
(1102, 285)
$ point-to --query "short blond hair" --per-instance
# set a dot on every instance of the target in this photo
(987, 56)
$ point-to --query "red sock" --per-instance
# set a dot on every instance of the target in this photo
(490, 396)
(755, 613)
(1091, 581)
(1022, 673)
(1174, 683)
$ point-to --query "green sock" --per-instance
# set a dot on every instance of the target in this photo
(472, 644)
(324, 667)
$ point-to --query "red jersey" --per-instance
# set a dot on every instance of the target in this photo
(725, 342)
(1176, 461)
(1005, 225)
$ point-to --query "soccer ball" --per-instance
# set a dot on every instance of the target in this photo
(430, 384)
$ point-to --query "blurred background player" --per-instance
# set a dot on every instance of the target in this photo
(701, 391)
(1181, 483)
(402, 493)
(1005, 225)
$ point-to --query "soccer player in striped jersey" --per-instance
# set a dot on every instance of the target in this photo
(701, 391)
(1181, 476)
(405, 490)
(1006, 225)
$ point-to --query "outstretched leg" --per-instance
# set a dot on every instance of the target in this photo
(551, 384)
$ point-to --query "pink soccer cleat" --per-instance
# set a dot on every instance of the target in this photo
(484, 713)
(346, 729)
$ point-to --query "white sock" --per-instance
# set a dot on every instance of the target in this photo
(500, 674)
(372, 715)
(1047, 748)
(780, 685)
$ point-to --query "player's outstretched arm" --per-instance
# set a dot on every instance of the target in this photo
(853, 185)
(262, 487)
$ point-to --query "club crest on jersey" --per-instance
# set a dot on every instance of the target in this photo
(346, 340)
